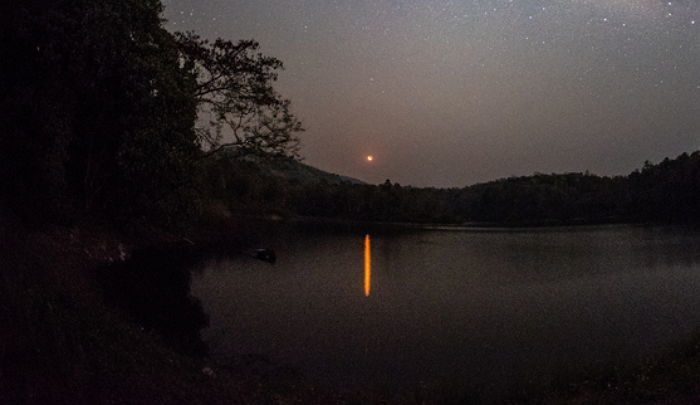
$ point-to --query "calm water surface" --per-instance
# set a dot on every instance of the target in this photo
(456, 311)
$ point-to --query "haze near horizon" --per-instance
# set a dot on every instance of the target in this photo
(450, 93)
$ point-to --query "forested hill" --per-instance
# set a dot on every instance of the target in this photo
(294, 170)
(668, 192)
(102, 116)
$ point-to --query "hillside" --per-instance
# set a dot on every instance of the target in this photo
(290, 169)
(663, 192)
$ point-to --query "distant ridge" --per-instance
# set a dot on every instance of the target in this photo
(290, 169)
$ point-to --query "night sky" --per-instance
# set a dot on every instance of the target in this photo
(450, 93)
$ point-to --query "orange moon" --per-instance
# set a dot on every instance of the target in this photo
(370, 158)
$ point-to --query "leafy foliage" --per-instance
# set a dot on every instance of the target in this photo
(100, 103)
(235, 92)
(99, 111)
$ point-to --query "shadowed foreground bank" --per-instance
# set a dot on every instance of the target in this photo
(67, 340)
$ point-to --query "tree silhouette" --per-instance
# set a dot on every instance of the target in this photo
(238, 106)
(100, 113)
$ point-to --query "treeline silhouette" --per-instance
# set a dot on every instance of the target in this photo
(106, 112)
(96, 110)
(665, 192)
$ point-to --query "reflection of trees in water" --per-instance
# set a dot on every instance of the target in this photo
(670, 246)
(154, 288)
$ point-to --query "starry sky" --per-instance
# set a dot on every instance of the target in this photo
(454, 92)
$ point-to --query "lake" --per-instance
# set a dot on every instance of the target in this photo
(459, 312)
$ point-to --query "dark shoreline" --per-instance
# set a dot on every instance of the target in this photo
(70, 345)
